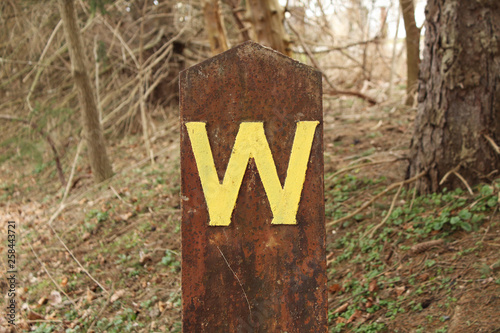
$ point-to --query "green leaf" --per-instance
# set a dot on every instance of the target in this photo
(358, 217)
(397, 213)
(438, 224)
(465, 214)
(99, 5)
(455, 220)
(476, 218)
(492, 202)
(466, 226)
(486, 190)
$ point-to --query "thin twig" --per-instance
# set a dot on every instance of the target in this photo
(96, 318)
(388, 213)
(237, 278)
(143, 79)
(29, 63)
(59, 210)
(115, 176)
(50, 276)
(239, 22)
(324, 48)
(421, 247)
(122, 42)
(78, 197)
(338, 172)
(488, 228)
(334, 90)
(54, 56)
(49, 140)
(76, 260)
(59, 25)
(71, 175)
(311, 56)
(459, 176)
(492, 143)
(448, 174)
(119, 197)
(369, 202)
(413, 196)
(62, 206)
(393, 57)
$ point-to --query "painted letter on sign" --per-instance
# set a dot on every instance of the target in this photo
(251, 142)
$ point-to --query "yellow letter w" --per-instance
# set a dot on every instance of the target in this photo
(251, 142)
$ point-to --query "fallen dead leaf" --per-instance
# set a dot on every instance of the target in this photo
(117, 295)
(126, 216)
(334, 288)
(341, 308)
(373, 286)
(357, 314)
(144, 258)
(32, 315)
(423, 277)
(161, 306)
(55, 298)
(369, 303)
(42, 301)
(64, 281)
(400, 290)
(90, 296)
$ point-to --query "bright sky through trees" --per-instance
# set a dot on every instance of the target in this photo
(337, 5)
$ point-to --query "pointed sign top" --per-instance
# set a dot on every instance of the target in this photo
(236, 81)
(249, 52)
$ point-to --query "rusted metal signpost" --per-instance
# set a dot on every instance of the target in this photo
(253, 233)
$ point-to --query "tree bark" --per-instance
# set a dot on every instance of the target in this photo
(96, 148)
(459, 95)
(267, 20)
(214, 26)
(412, 49)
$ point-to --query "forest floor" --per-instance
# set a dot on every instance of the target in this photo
(106, 258)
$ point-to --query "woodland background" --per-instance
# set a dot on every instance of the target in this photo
(412, 247)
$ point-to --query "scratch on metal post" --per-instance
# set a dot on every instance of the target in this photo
(237, 278)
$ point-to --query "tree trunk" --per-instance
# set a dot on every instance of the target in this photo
(412, 49)
(267, 20)
(99, 161)
(214, 26)
(459, 95)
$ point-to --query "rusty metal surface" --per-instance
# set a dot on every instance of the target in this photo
(252, 276)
